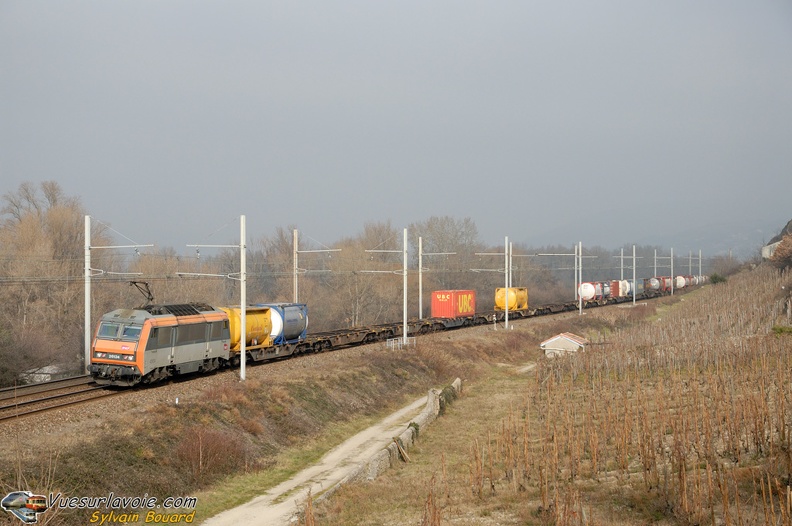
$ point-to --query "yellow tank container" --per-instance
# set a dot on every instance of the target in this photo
(258, 326)
(516, 299)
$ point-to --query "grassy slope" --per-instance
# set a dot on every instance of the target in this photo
(480, 461)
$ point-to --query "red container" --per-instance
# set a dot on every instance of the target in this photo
(453, 303)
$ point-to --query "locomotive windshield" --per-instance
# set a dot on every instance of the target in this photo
(131, 332)
(115, 331)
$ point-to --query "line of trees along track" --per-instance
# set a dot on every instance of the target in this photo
(42, 275)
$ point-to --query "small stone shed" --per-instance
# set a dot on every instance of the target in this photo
(563, 343)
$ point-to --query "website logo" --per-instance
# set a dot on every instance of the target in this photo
(24, 505)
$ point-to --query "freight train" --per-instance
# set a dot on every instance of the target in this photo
(604, 292)
(667, 283)
(156, 342)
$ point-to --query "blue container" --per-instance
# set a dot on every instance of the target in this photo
(289, 321)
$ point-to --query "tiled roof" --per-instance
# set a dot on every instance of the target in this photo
(569, 336)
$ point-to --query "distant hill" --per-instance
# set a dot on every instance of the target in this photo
(769, 249)
(739, 238)
(787, 230)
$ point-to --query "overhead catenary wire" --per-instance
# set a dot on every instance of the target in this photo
(106, 275)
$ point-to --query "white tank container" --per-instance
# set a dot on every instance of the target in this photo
(587, 291)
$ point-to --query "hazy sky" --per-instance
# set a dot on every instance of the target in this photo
(606, 122)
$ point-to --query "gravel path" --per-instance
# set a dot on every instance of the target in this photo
(280, 505)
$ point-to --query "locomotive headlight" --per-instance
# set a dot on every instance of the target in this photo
(100, 355)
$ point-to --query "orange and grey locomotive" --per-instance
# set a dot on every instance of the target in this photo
(157, 341)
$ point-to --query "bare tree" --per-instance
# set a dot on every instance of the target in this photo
(270, 268)
(41, 258)
(454, 243)
(363, 287)
(724, 265)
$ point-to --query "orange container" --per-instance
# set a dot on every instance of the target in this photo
(453, 303)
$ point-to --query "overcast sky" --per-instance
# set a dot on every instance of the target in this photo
(606, 122)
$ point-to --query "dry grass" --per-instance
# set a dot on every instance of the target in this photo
(681, 420)
(684, 420)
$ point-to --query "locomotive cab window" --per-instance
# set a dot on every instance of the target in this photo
(131, 332)
(108, 330)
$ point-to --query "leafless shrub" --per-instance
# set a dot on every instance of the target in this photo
(569, 510)
(476, 471)
(308, 512)
(432, 514)
(210, 452)
(44, 482)
(782, 256)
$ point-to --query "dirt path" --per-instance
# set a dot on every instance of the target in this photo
(278, 506)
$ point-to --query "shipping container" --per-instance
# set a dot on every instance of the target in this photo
(620, 288)
(651, 284)
(289, 321)
(453, 303)
(258, 326)
(590, 290)
(615, 288)
(516, 299)
(661, 283)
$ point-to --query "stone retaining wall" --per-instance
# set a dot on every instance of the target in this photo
(390, 455)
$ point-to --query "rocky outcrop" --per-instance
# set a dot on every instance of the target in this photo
(787, 230)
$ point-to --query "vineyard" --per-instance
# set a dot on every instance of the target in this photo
(682, 418)
(695, 407)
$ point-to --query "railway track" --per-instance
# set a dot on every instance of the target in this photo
(27, 400)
